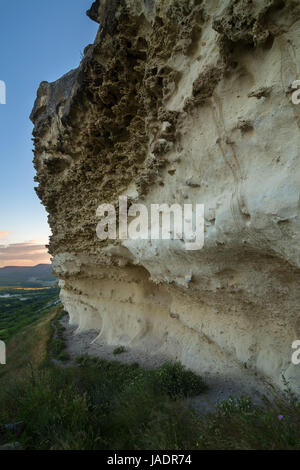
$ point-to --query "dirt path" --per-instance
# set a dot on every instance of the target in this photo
(220, 387)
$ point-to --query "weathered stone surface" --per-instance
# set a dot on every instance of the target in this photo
(182, 101)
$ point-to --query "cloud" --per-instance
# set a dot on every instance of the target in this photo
(23, 254)
(3, 235)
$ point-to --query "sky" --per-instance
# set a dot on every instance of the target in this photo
(40, 40)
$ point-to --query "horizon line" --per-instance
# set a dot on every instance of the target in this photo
(33, 266)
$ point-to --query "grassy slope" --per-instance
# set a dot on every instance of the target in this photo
(15, 314)
(98, 404)
(28, 347)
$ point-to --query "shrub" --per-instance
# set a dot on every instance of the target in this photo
(64, 356)
(105, 405)
(176, 381)
(99, 404)
(119, 350)
(58, 343)
(239, 424)
(57, 347)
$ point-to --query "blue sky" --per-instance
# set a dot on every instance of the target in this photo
(39, 40)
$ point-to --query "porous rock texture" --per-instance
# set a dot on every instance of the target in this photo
(181, 101)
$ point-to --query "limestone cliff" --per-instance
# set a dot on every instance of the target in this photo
(181, 101)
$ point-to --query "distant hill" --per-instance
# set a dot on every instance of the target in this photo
(24, 276)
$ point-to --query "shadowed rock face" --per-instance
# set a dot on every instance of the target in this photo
(181, 102)
(93, 12)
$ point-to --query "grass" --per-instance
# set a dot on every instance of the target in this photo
(98, 404)
(22, 308)
(58, 344)
(105, 405)
(28, 347)
(238, 424)
(171, 379)
(119, 350)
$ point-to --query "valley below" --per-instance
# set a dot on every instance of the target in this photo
(21, 307)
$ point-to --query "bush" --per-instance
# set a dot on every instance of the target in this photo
(58, 343)
(176, 381)
(64, 356)
(105, 405)
(239, 424)
(57, 347)
(97, 405)
(119, 350)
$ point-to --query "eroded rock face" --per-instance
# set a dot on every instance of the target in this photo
(181, 101)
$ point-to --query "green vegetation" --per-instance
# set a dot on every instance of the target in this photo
(98, 404)
(177, 382)
(22, 307)
(172, 379)
(238, 424)
(58, 343)
(29, 348)
(119, 350)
